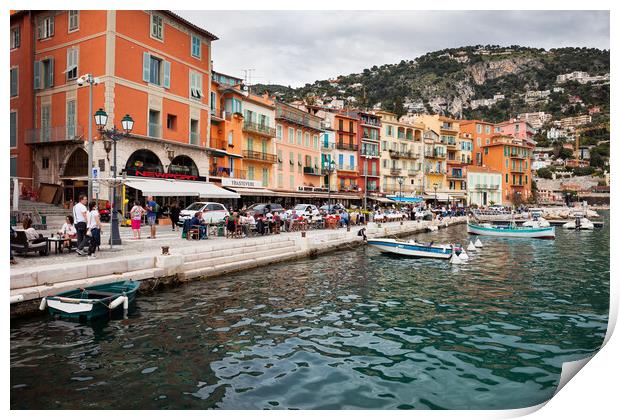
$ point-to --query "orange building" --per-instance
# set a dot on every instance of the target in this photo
(152, 65)
(481, 133)
(346, 153)
(512, 157)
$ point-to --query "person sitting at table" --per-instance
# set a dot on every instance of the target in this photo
(31, 234)
(196, 220)
(283, 220)
(67, 231)
(275, 224)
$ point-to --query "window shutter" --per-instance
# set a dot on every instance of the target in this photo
(51, 29)
(37, 75)
(13, 82)
(40, 29)
(51, 72)
(167, 74)
(146, 67)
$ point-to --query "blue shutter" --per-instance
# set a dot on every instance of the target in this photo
(146, 67)
(51, 72)
(37, 75)
(352, 161)
(167, 74)
(340, 160)
(13, 124)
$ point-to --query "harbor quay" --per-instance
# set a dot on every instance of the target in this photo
(187, 260)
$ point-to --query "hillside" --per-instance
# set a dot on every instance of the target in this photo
(453, 81)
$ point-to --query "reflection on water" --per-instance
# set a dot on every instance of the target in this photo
(352, 329)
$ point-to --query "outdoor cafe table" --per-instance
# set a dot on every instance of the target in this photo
(57, 241)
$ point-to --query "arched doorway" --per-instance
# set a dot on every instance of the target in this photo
(183, 164)
(144, 160)
(75, 167)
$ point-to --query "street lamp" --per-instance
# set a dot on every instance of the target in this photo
(331, 166)
(400, 184)
(113, 135)
(81, 81)
(435, 186)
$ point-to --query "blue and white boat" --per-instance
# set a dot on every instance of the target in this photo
(511, 231)
(412, 248)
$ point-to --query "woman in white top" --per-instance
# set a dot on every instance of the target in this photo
(136, 212)
(68, 231)
(93, 226)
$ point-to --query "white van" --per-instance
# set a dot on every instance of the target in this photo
(211, 212)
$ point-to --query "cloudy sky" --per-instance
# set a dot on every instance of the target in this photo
(298, 47)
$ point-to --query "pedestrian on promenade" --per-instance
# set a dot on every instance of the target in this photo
(151, 215)
(93, 228)
(136, 213)
(175, 211)
(79, 215)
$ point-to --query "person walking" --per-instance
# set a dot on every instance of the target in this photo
(93, 229)
(175, 211)
(79, 215)
(151, 215)
(136, 213)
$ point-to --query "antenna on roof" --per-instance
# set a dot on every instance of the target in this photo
(247, 76)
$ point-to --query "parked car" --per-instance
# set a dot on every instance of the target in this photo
(259, 209)
(308, 211)
(336, 207)
(211, 212)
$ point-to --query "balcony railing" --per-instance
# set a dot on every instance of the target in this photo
(218, 113)
(413, 171)
(311, 170)
(61, 133)
(260, 156)
(327, 145)
(299, 118)
(371, 173)
(346, 146)
(517, 156)
(395, 171)
(487, 186)
(434, 154)
(347, 168)
(257, 128)
(396, 154)
(227, 173)
(154, 130)
(219, 144)
(369, 153)
(434, 172)
(194, 138)
(456, 175)
(374, 123)
(518, 170)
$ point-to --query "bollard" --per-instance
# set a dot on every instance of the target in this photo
(303, 234)
(348, 228)
(401, 222)
(165, 250)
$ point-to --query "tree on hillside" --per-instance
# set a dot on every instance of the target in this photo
(544, 173)
(565, 153)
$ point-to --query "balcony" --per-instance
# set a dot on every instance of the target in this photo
(371, 174)
(518, 170)
(154, 130)
(413, 172)
(487, 187)
(434, 172)
(261, 129)
(298, 117)
(395, 154)
(327, 146)
(456, 175)
(224, 172)
(57, 134)
(369, 153)
(451, 146)
(434, 155)
(517, 156)
(259, 156)
(311, 170)
(395, 171)
(346, 168)
(194, 138)
(346, 146)
(219, 144)
(371, 122)
(218, 115)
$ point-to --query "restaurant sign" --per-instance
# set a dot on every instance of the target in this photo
(161, 175)
(241, 183)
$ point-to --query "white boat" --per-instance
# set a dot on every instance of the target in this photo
(580, 223)
(412, 248)
(511, 231)
(539, 222)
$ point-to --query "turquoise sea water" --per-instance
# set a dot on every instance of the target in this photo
(354, 329)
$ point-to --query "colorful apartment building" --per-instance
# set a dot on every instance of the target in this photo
(346, 152)
(153, 65)
(259, 147)
(458, 161)
(519, 129)
(480, 133)
(484, 186)
(512, 157)
(369, 139)
(401, 155)
(298, 150)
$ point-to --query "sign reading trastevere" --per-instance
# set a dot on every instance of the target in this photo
(233, 182)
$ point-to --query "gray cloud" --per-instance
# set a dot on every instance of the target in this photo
(298, 47)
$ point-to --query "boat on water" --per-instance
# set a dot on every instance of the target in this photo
(92, 302)
(512, 231)
(413, 249)
(536, 219)
(580, 223)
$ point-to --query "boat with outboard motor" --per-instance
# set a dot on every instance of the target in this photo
(580, 223)
(412, 248)
(512, 231)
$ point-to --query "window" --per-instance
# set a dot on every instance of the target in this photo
(195, 85)
(250, 143)
(279, 132)
(307, 139)
(291, 135)
(280, 181)
(486, 150)
(299, 162)
(13, 129)
(291, 157)
(340, 125)
(292, 182)
(13, 170)
(506, 178)
(155, 70)
(233, 106)
(72, 63)
(315, 141)
(14, 81)
(265, 176)
(45, 163)
(479, 141)
(45, 27)
(15, 37)
(154, 123)
(350, 126)
(251, 173)
(299, 137)
(74, 20)
(71, 119)
(171, 122)
(213, 101)
(478, 128)
(44, 73)
(279, 153)
(487, 129)
(157, 27)
(516, 127)
(45, 122)
(195, 46)
(230, 138)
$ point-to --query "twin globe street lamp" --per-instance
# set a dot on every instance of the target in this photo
(331, 167)
(110, 137)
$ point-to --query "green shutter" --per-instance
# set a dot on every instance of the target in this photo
(167, 74)
(37, 75)
(51, 72)
(146, 67)
(14, 82)
(13, 129)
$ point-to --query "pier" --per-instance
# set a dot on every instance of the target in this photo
(187, 260)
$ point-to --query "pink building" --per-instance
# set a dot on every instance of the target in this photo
(520, 129)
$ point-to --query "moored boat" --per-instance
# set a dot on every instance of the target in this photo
(580, 223)
(412, 248)
(512, 231)
(93, 301)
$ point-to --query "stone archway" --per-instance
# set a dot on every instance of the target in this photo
(77, 164)
(144, 159)
(183, 164)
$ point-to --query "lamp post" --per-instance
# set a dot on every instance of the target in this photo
(331, 166)
(81, 81)
(435, 188)
(400, 185)
(113, 135)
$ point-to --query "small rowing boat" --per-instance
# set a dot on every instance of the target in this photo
(511, 231)
(93, 301)
(412, 248)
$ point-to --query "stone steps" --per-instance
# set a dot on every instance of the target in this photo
(234, 256)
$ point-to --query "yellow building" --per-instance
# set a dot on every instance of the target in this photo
(401, 155)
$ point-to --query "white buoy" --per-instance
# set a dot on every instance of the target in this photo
(478, 244)
(471, 246)
(455, 259)
(116, 302)
(126, 303)
(463, 255)
(43, 304)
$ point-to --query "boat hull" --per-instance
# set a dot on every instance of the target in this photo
(407, 249)
(92, 302)
(536, 233)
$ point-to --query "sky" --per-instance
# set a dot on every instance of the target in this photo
(299, 47)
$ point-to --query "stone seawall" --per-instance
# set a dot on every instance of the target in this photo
(200, 261)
